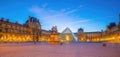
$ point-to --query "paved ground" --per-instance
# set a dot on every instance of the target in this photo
(65, 50)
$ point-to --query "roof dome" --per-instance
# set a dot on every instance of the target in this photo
(32, 19)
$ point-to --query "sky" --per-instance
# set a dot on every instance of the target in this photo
(91, 15)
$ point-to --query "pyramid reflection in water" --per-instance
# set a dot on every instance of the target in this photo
(67, 36)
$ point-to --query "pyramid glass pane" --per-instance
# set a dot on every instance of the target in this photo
(67, 36)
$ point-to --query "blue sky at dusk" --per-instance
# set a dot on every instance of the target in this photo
(91, 15)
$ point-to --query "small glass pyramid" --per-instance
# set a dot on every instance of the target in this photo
(67, 36)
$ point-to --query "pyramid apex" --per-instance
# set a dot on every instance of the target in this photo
(66, 30)
(68, 35)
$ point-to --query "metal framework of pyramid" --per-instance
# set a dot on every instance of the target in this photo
(67, 36)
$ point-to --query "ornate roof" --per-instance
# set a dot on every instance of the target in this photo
(33, 19)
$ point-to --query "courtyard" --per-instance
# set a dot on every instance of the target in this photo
(57, 50)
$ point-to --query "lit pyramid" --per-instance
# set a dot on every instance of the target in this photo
(67, 36)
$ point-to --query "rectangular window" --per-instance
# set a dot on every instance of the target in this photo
(0, 24)
(0, 30)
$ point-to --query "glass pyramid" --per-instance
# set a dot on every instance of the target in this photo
(67, 36)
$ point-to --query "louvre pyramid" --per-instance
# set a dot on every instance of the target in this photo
(67, 36)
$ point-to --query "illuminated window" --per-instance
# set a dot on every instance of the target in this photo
(88, 40)
(67, 37)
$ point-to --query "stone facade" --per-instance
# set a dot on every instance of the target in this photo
(31, 31)
(15, 32)
(111, 34)
(88, 36)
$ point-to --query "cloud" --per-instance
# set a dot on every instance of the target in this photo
(71, 11)
(44, 5)
(80, 6)
(80, 21)
(61, 19)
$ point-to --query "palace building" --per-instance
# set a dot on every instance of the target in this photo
(111, 34)
(31, 31)
(15, 32)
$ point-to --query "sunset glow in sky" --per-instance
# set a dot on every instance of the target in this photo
(91, 15)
